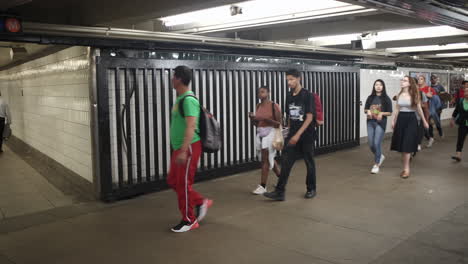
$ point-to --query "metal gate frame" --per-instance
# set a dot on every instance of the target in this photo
(325, 80)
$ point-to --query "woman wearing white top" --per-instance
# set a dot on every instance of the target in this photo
(405, 122)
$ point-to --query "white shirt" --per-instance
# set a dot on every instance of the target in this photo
(5, 111)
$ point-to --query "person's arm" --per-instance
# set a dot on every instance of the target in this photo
(305, 125)
(310, 111)
(253, 118)
(367, 110)
(421, 114)
(192, 111)
(455, 114)
(367, 106)
(189, 132)
(395, 117)
(9, 115)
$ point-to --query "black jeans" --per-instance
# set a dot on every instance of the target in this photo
(462, 132)
(289, 156)
(2, 127)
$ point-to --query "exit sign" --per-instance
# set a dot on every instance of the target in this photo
(10, 24)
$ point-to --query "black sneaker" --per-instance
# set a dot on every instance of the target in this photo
(275, 195)
(185, 226)
(310, 194)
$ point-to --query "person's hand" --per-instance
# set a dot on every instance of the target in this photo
(369, 115)
(293, 141)
(182, 158)
(380, 116)
(452, 123)
(426, 125)
(393, 125)
(319, 122)
(429, 94)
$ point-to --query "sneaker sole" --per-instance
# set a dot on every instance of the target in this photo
(183, 229)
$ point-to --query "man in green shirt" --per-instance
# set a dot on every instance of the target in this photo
(185, 141)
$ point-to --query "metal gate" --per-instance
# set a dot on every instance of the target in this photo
(135, 99)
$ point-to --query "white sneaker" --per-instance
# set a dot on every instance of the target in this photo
(419, 147)
(375, 169)
(260, 190)
(382, 158)
(431, 141)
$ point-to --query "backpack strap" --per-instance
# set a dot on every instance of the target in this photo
(181, 104)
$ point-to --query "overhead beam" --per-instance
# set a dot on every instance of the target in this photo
(413, 42)
(351, 24)
(108, 12)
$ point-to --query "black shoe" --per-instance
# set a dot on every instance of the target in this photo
(310, 194)
(275, 195)
(457, 159)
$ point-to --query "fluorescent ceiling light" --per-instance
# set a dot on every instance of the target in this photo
(391, 35)
(454, 46)
(447, 55)
(256, 13)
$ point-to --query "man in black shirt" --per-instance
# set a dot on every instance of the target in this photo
(300, 110)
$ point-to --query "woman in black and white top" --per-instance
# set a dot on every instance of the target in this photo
(405, 122)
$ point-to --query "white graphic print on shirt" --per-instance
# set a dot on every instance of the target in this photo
(296, 112)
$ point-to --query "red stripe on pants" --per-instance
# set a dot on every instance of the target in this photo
(181, 178)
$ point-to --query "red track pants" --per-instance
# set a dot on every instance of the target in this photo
(181, 178)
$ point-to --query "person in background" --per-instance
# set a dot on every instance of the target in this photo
(405, 123)
(421, 129)
(378, 107)
(300, 110)
(266, 119)
(429, 92)
(460, 117)
(5, 119)
(461, 92)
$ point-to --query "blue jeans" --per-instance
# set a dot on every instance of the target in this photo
(375, 134)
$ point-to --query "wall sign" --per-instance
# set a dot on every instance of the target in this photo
(9, 24)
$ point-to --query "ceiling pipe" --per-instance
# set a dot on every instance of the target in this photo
(119, 33)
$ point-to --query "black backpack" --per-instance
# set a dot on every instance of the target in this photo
(209, 128)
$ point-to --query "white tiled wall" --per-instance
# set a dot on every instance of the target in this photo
(49, 101)
(392, 83)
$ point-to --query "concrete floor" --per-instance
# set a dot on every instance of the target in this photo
(356, 218)
(23, 190)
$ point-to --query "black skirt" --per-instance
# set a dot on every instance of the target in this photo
(405, 134)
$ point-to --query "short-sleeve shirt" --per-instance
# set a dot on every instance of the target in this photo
(178, 122)
(376, 104)
(297, 108)
(427, 89)
(438, 88)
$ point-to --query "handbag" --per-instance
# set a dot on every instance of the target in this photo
(278, 140)
(7, 132)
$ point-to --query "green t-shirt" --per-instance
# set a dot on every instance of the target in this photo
(178, 123)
